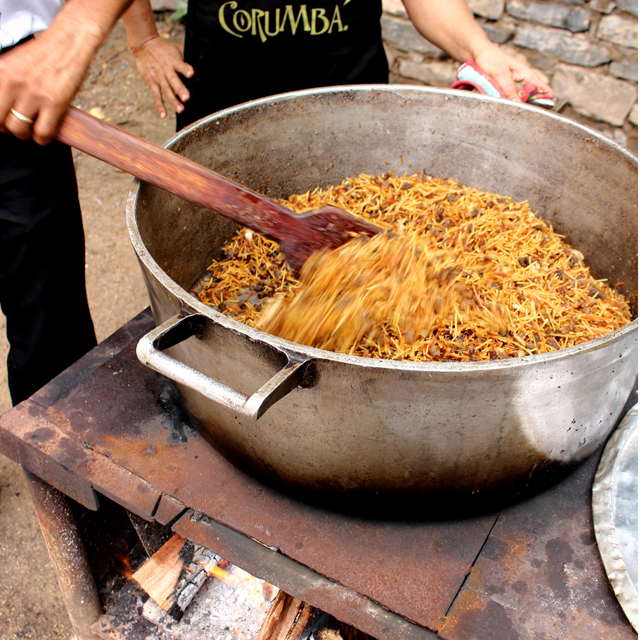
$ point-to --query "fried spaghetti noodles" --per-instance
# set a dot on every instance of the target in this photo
(461, 275)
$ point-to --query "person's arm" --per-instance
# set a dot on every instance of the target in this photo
(451, 26)
(158, 61)
(39, 78)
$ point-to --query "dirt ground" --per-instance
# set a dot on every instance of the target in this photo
(30, 603)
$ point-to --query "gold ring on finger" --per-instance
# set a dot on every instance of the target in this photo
(20, 117)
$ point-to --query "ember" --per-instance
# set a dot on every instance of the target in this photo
(546, 292)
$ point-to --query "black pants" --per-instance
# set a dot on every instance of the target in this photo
(42, 264)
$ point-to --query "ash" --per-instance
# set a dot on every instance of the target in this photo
(124, 603)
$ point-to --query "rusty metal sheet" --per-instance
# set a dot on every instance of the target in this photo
(297, 580)
(168, 509)
(539, 576)
(62, 384)
(37, 440)
(21, 433)
(131, 415)
(121, 486)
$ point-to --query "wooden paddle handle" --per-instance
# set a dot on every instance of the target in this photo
(174, 173)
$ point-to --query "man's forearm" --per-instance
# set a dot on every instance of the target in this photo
(81, 27)
(449, 25)
(93, 18)
(139, 23)
(39, 79)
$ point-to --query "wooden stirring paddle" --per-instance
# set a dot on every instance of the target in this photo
(298, 235)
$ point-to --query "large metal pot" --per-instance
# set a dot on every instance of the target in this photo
(324, 422)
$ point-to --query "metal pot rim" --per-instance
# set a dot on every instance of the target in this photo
(395, 89)
(189, 302)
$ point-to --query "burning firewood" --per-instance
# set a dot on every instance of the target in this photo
(174, 574)
(292, 619)
(287, 618)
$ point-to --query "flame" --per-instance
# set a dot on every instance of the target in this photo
(123, 566)
(215, 571)
(259, 590)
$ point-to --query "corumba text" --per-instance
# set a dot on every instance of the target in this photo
(265, 24)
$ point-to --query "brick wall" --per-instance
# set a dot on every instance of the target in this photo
(587, 49)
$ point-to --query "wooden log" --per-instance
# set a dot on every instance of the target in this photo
(350, 633)
(286, 619)
(193, 577)
(174, 574)
(160, 574)
(291, 619)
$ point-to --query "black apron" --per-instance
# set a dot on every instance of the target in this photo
(247, 49)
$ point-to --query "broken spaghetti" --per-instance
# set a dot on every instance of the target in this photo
(501, 282)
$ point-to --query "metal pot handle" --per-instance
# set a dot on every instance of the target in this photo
(179, 328)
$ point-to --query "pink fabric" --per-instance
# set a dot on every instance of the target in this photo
(470, 77)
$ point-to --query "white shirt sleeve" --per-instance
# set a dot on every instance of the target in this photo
(22, 18)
